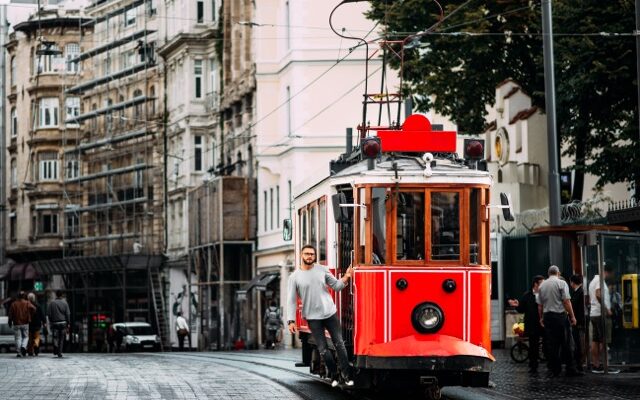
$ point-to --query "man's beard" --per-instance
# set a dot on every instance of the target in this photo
(309, 262)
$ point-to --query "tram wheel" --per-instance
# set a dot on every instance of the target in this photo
(519, 352)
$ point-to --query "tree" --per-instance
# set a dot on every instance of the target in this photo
(456, 68)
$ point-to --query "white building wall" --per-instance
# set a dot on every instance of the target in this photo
(296, 140)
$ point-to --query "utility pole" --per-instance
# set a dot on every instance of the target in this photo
(555, 243)
(637, 33)
(223, 340)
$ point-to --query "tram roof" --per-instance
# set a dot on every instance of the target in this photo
(410, 170)
(445, 170)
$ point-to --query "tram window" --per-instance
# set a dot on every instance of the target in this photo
(313, 229)
(445, 226)
(303, 228)
(474, 226)
(379, 215)
(322, 231)
(410, 226)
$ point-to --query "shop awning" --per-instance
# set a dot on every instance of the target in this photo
(5, 269)
(18, 272)
(79, 265)
(260, 282)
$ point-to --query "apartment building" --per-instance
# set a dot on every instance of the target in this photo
(40, 58)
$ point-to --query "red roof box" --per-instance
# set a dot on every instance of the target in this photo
(417, 136)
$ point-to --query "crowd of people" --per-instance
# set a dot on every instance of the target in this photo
(29, 322)
(557, 316)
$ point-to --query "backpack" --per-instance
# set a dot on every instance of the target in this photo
(273, 316)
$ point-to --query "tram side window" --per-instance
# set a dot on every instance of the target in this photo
(303, 226)
(379, 211)
(322, 231)
(474, 226)
(445, 226)
(313, 230)
(410, 226)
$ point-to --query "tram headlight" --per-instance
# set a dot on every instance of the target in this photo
(427, 318)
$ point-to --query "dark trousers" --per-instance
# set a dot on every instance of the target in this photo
(578, 336)
(59, 331)
(331, 324)
(534, 350)
(558, 344)
(272, 335)
(181, 341)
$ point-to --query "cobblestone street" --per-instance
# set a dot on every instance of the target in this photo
(131, 376)
(259, 375)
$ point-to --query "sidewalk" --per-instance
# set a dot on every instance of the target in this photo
(512, 381)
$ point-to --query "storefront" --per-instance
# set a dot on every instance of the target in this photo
(611, 260)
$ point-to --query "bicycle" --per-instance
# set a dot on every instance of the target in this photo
(520, 350)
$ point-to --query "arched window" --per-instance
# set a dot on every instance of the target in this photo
(71, 51)
(137, 110)
(152, 94)
(239, 164)
(14, 173)
(13, 71)
(14, 123)
(120, 116)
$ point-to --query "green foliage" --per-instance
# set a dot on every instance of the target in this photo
(596, 82)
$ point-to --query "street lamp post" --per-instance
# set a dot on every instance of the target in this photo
(555, 243)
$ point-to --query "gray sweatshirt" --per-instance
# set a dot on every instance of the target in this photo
(311, 286)
(59, 311)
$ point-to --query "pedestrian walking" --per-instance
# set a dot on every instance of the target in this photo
(554, 306)
(182, 329)
(35, 326)
(59, 322)
(578, 330)
(600, 322)
(20, 314)
(273, 323)
(532, 328)
(309, 282)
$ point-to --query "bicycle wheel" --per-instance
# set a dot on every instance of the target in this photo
(519, 352)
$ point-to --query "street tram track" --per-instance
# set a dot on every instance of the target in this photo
(249, 359)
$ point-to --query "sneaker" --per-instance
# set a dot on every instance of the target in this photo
(23, 351)
(59, 355)
(598, 370)
(613, 371)
(334, 383)
(349, 382)
(19, 355)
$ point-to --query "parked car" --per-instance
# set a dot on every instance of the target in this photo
(7, 339)
(138, 336)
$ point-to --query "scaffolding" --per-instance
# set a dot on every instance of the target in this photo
(113, 177)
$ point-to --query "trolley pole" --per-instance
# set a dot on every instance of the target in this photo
(555, 243)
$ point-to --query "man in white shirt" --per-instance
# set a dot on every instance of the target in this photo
(182, 329)
(310, 283)
(601, 329)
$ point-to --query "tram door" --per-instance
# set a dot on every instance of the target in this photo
(345, 247)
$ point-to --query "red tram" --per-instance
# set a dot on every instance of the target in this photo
(413, 220)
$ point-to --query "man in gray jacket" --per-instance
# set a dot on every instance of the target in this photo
(309, 282)
(59, 321)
